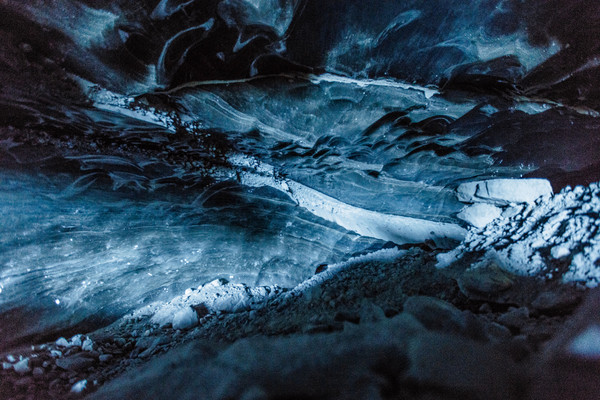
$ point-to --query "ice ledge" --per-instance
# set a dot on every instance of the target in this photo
(487, 199)
(503, 191)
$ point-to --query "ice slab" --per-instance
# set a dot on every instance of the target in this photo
(480, 214)
(503, 191)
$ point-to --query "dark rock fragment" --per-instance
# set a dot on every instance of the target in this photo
(76, 362)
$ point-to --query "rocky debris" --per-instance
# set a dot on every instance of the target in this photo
(569, 367)
(555, 301)
(484, 282)
(391, 358)
(555, 238)
(463, 367)
(515, 318)
(391, 328)
(184, 312)
(76, 362)
(438, 315)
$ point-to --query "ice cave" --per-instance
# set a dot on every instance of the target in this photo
(300, 199)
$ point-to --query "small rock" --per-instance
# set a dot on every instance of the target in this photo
(555, 302)
(87, 345)
(76, 340)
(370, 312)
(144, 342)
(79, 386)
(516, 318)
(62, 342)
(485, 308)
(439, 315)
(22, 367)
(6, 365)
(457, 365)
(37, 371)
(152, 347)
(484, 280)
(11, 358)
(497, 332)
(56, 353)
(77, 362)
(105, 357)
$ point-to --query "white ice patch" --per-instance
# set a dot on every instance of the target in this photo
(217, 295)
(504, 191)
(587, 343)
(479, 215)
(530, 239)
(79, 386)
(185, 318)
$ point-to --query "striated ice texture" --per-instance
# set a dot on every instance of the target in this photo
(147, 148)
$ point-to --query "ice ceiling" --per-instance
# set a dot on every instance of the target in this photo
(151, 146)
